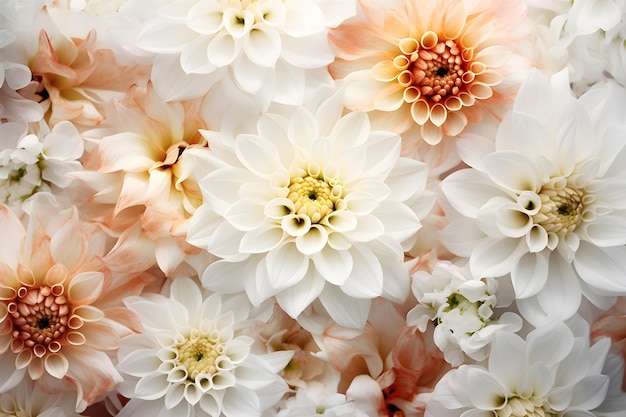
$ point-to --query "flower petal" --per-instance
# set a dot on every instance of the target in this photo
(486, 392)
(286, 266)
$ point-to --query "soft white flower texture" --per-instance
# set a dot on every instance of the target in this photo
(547, 205)
(193, 360)
(29, 165)
(263, 42)
(463, 311)
(551, 373)
(310, 209)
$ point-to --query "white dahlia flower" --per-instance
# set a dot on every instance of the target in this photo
(315, 205)
(550, 374)
(194, 358)
(547, 204)
(270, 47)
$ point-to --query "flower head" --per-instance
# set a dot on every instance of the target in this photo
(145, 191)
(551, 373)
(543, 206)
(462, 309)
(29, 164)
(317, 205)
(271, 49)
(437, 65)
(193, 357)
(54, 311)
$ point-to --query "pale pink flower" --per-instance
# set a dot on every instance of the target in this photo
(306, 369)
(60, 315)
(435, 65)
(77, 77)
(387, 366)
(141, 172)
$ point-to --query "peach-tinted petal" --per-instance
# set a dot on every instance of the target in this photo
(85, 287)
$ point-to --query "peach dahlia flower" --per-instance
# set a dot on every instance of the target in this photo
(434, 64)
(145, 191)
(58, 320)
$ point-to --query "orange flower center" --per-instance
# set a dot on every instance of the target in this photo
(436, 73)
(437, 76)
(40, 319)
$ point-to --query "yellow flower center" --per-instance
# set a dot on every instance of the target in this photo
(561, 208)
(199, 354)
(40, 319)
(520, 407)
(313, 197)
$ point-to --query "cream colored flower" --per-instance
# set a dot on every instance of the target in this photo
(438, 65)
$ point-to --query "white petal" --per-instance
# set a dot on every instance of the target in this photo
(560, 398)
(139, 362)
(607, 231)
(507, 360)
(63, 143)
(603, 269)
(468, 190)
(223, 49)
(307, 52)
(194, 59)
(560, 297)
(530, 274)
(205, 17)
(407, 179)
(227, 277)
(262, 45)
(313, 241)
(186, 292)
(360, 202)
(513, 170)
(345, 310)
(259, 155)
(302, 128)
(160, 36)
(340, 221)
(486, 392)
(286, 266)
(512, 221)
(400, 221)
(296, 298)
(172, 83)
(495, 257)
(537, 239)
(240, 401)
(550, 344)
(366, 278)
(296, 224)
(590, 392)
(302, 18)
(246, 214)
(334, 265)
(152, 386)
(538, 380)
(225, 241)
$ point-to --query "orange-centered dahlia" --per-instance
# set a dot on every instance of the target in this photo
(431, 63)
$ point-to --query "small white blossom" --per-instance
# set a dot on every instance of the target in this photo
(462, 309)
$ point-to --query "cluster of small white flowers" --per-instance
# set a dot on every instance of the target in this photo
(299, 208)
